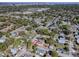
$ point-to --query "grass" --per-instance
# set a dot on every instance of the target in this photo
(17, 42)
(59, 45)
(29, 45)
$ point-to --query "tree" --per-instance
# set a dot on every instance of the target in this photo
(9, 41)
(66, 32)
(17, 42)
(65, 27)
(66, 48)
(29, 45)
(49, 41)
(43, 31)
(53, 53)
(52, 33)
(3, 46)
(76, 21)
(34, 48)
(6, 34)
(1, 34)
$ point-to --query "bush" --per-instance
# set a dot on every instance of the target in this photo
(53, 53)
(65, 27)
(49, 41)
(34, 48)
(66, 48)
(3, 46)
(43, 31)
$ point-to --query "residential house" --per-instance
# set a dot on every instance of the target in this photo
(39, 42)
(41, 51)
(76, 35)
(14, 51)
(60, 50)
(2, 39)
(77, 26)
(61, 39)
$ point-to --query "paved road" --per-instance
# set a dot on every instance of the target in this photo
(53, 22)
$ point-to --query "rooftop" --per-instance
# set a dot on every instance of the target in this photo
(13, 51)
(2, 39)
(61, 40)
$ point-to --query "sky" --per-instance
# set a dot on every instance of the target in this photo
(40, 3)
(39, 0)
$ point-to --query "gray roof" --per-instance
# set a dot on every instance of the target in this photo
(2, 39)
(77, 40)
(77, 36)
(61, 40)
(77, 26)
(13, 33)
(41, 51)
(13, 51)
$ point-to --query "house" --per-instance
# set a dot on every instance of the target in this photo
(14, 51)
(37, 39)
(2, 39)
(51, 47)
(14, 34)
(42, 48)
(77, 26)
(76, 35)
(78, 40)
(39, 43)
(61, 38)
(60, 50)
(41, 51)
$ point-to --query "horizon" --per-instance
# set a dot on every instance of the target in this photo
(36, 3)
